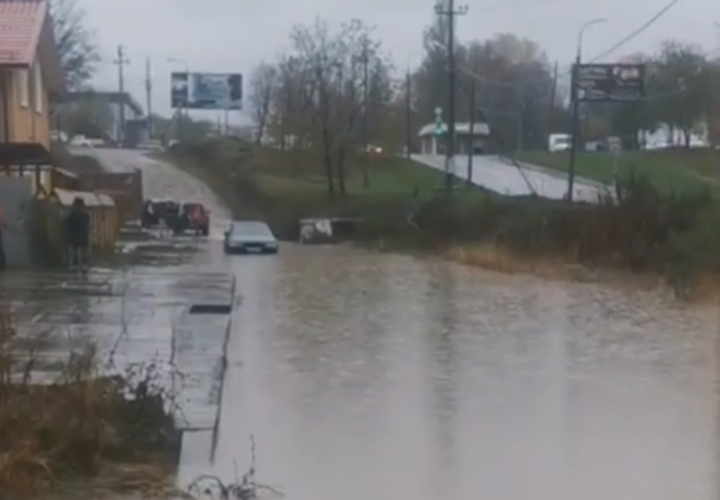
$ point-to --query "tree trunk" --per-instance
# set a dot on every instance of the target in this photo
(686, 137)
(634, 140)
(327, 157)
(341, 172)
(330, 177)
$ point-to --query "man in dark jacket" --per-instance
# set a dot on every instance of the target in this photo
(78, 234)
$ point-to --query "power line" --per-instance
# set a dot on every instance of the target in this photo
(483, 116)
(638, 31)
(631, 36)
(513, 4)
(709, 53)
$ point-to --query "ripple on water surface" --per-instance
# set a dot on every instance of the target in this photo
(367, 375)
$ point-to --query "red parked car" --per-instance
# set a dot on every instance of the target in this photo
(193, 217)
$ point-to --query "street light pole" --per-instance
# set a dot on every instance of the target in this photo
(576, 105)
(408, 114)
(450, 12)
(471, 152)
(121, 62)
(183, 112)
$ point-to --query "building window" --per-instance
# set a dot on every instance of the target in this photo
(38, 93)
(23, 87)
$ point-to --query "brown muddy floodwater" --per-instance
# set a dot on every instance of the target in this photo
(365, 376)
(371, 376)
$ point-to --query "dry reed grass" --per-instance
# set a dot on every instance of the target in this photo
(494, 258)
(77, 425)
(704, 289)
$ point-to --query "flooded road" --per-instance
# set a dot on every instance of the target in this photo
(373, 376)
(363, 375)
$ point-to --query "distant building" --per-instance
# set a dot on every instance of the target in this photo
(477, 143)
(665, 136)
(121, 106)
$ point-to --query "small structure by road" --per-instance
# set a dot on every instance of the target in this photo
(473, 138)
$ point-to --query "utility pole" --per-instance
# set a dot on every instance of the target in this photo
(575, 103)
(148, 97)
(520, 113)
(553, 96)
(366, 116)
(408, 114)
(121, 61)
(451, 12)
(471, 152)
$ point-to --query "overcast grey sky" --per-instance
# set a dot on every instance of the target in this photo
(235, 35)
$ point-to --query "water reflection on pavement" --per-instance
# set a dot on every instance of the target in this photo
(131, 318)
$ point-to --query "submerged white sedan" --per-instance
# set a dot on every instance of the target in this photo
(250, 237)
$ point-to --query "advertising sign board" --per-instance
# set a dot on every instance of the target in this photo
(221, 91)
(610, 82)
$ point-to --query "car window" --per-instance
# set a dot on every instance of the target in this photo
(251, 229)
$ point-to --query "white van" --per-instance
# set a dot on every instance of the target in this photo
(559, 142)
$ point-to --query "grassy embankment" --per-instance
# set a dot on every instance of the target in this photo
(671, 170)
(283, 187)
(664, 225)
(87, 434)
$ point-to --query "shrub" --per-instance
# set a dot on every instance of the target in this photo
(641, 230)
(77, 423)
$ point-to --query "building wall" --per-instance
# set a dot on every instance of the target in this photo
(430, 145)
(130, 114)
(16, 202)
(28, 121)
(39, 177)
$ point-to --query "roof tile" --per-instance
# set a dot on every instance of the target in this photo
(21, 22)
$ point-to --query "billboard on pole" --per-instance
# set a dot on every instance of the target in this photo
(206, 91)
(610, 82)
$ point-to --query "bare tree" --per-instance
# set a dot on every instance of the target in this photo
(77, 44)
(327, 80)
(262, 89)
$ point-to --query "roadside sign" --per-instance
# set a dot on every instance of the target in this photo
(215, 91)
(610, 82)
(614, 145)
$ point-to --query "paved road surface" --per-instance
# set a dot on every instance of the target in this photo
(365, 375)
(501, 176)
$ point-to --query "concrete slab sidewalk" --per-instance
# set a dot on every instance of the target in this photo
(135, 317)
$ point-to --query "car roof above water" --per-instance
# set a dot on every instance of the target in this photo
(251, 227)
